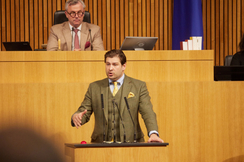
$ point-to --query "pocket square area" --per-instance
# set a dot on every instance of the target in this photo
(88, 44)
(131, 95)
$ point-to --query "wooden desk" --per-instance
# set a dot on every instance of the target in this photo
(70, 66)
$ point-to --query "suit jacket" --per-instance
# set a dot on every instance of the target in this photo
(238, 58)
(139, 103)
(62, 32)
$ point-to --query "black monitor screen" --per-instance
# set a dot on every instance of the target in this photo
(138, 43)
(17, 46)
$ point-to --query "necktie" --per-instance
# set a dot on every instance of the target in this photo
(115, 88)
(77, 46)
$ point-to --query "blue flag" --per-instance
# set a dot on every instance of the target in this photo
(187, 21)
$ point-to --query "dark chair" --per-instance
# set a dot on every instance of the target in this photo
(228, 59)
(40, 49)
(60, 17)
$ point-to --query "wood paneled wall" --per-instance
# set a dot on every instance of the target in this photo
(223, 23)
(30, 20)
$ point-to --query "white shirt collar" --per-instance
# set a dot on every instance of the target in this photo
(120, 80)
(70, 26)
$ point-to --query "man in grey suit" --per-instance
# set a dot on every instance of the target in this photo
(65, 35)
(107, 120)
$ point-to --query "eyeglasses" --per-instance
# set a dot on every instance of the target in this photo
(73, 14)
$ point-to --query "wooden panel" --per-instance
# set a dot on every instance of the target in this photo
(31, 17)
(156, 20)
(108, 27)
(202, 121)
(169, 16)
(26, 21)
(36, 31)
(8, 18)
(242, 15)
(230, 16)
(239, 19)
(1, 21)
(117, 25)
(119, 154)
(217, 33)
(221, 29)
(165, 26)
(204, 5)
(122, 22)
(144, 21)
(112, 24)
(12, 18)
(39, 66)
(45, 19)
(22, 21)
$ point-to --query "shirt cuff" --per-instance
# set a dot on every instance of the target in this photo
(153, 131)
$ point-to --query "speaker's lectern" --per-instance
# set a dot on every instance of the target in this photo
(143, 152)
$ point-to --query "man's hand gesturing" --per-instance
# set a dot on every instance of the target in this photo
(77, 118)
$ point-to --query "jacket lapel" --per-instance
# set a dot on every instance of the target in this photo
(67, 35)
(126, 90)
(83, 35)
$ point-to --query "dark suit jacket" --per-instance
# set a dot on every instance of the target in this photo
(238, 58)
(62, 32)
(140, 102)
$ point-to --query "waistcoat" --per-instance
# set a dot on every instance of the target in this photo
(113, 115)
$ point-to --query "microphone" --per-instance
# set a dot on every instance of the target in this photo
(128, 108)
(121, 121)
(103, 118)
(91, 39)
(72, 46)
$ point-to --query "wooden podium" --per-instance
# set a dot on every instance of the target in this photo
(122, 152)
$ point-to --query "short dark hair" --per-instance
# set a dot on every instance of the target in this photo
(118, 53)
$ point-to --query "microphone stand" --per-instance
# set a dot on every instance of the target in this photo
(121, 122)
(114, 123)
(128, 108)
(91, 39)
(72, 46)
(103, 118)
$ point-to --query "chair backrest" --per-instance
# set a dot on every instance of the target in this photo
(40, 49)
(60, 17)
(228, 59)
